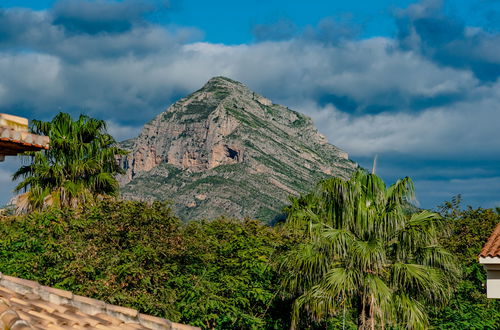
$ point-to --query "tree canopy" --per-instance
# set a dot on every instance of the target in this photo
(469, 230)
(224, 273)
(213, 274)
(79, 165)
(362, 250)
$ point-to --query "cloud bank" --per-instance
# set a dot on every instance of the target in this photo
(430, 95)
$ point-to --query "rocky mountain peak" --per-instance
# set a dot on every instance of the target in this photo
(221, 81)
(214, 92)
(223, 133)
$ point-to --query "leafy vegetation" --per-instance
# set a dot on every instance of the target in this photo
(79, 165)
(199, 108)
(469, 308)
(220, 274)
(360, 250)
(214, 274)
(301, 121)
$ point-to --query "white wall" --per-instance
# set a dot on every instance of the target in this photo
(492, 266)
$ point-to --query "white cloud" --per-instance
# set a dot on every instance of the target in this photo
(466, 130)
(368, 96)
(29, 79)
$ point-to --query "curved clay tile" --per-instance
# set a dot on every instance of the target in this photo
(492, 246)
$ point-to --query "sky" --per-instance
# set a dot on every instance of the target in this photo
(414, 82)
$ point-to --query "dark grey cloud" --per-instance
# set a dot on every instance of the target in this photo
(100, 16)
(41, 31)
(438, 180)
(18, 27)
(329, 30)
(424, 27)
(466, 131)
(483, 192)
(332, 30)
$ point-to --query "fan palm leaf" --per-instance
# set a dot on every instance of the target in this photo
(80, 164)
(361, 249)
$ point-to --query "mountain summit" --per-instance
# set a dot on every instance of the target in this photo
(225, 150)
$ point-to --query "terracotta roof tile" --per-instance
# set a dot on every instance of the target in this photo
(492, 246)
(27, 305)
(13, 141)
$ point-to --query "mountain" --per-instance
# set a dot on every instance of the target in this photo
(225, 150)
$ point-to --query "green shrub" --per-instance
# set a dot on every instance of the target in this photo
(214, 274)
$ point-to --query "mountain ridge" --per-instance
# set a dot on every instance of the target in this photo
(224, 136)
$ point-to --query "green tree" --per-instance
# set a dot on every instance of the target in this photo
(361, 250)
(79, 165)
(212, 274)
(468, 308)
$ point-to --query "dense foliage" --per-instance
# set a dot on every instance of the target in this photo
(360, 250)
(469, 308)
(214, 274)
(226, 273)
(79, 165)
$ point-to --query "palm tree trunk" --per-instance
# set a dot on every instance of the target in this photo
(372, 313)
(366, 314)
(361, 313)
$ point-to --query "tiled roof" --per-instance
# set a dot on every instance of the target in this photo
(15, 122)
(13, 141)
(492, 246)
(28, 305)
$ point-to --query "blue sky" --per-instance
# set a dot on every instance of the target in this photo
(415, 82)
(232, 22)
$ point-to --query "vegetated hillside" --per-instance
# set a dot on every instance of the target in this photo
(225, 150)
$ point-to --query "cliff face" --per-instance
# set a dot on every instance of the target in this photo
(225, 150)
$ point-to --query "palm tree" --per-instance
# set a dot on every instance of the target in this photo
(79, 165)
(362, 250)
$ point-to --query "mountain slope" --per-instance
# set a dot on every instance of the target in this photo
(225, 150)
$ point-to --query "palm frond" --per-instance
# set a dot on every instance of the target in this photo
(79, 165)
(360, 247)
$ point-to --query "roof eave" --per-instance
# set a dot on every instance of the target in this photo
(489, 260)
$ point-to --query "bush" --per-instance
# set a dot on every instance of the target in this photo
(469, 308)
(214, 274)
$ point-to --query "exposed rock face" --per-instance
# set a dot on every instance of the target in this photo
(224, 150)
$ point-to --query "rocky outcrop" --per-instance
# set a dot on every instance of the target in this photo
(235, 148)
